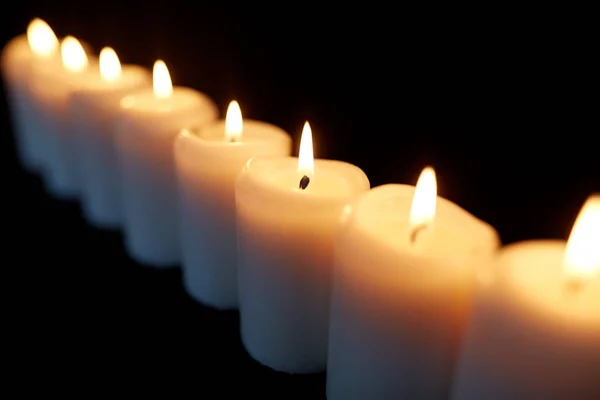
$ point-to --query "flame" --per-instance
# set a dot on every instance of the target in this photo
(422, 210)
(306, 157)
(163, 87)
(73, 55)
(42, 40)
(582, 254)
(110, 67)
(233, 122)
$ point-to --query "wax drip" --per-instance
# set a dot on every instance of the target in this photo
(304, 182)
(415, 232)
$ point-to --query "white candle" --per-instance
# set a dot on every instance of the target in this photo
(285, 254)
(404, 278)
(150, 121)
(38, 46)
(535, 333)
(51, 94)
(95, 110)
(208, 162)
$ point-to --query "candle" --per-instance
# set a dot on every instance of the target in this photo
(95, 109)
(287, 213)
(150, 121)
(404, 278)
(208, 162)
(38, 46)
(51, 94)
(535, 332)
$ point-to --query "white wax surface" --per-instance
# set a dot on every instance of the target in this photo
(95, 111)
(145, 135)
(207, 165)
(285, 250)
(531, 336)
(399, 309)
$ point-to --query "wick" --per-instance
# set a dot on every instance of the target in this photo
(573, 285)
(304, 182)
(232, 139)
(415, 232)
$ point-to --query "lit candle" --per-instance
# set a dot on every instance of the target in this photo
(535, 332)
(208, 161)
(150, 121)
(38, 46)
(404, 277)
(51, 94)
(95, 109)
(287, 213)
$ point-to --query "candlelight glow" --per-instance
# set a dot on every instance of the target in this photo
(110, 67)
(42, 40)
(306, 158)
(233, 122)
(163, 87)
(582, 254)
(73, 55)
(422, 210)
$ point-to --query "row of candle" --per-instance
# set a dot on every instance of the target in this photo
(374, 285)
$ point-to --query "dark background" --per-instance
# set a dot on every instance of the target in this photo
(500, 102)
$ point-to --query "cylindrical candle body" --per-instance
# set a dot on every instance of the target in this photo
(285, 256)
(145, 136)
(532, 336)
(399, 308)
(95, 111)
(207, 165)
(17, 71)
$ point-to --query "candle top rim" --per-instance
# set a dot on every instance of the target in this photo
(183, 98)
(253, 132)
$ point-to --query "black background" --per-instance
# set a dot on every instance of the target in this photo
(502, 106)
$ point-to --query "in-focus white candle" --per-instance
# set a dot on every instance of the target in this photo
(287, 213)
(51, 94)
(38, 46)
(95, 109)
(208, 161)
(535, 333)
(404, 278)
(150, 121)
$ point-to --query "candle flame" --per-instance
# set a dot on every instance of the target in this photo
(306, 158)
(110, 67)
(582, 254)
(163, 87)
(422, 210)
(233, 122)
(41, 38)
(73, 55)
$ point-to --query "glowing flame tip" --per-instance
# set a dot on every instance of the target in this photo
(73, 55)
(582, 254)
(110, 66)
(41, 38)
(163, 87)
(233, 122)
(306, 158)
(422, 211)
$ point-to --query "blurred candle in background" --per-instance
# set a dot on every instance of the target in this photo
(406, 263)
(288, 211)
(535, 333)
(95, 110)
(150, 121)
(208, 161)
(39, 46)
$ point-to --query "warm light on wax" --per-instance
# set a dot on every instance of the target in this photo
(306, 158)
(233, 122)
(73, 55)
(582, 254)
(422, 210)
(163, 87)
(41, 38)
(110, 66)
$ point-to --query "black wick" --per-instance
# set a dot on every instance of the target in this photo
(574, 285)
(416, 231)
(232, 139)
(304, 182)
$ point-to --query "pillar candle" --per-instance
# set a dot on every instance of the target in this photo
(208, 161)
(150, 121)
(405, 267)
(287, 213)
(51, 93)
(38, 46)
(94, 111)
(535, 332)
